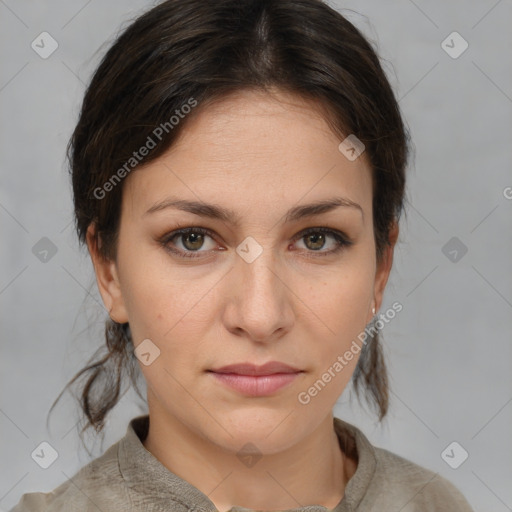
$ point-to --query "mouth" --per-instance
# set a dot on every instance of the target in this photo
(253, 380)
(271, 368)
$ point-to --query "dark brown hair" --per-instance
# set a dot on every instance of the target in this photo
(183, 50)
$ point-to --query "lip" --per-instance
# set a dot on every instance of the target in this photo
(269, 368)
(253, 380)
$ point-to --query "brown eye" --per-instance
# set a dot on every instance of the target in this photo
(192, 241)
(315, 241)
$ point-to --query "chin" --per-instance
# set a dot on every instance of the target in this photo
(268, 429)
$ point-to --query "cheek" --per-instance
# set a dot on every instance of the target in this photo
(341, 303)
(168, 304)
(342, 300)
(175, 307)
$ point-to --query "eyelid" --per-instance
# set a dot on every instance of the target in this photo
(166, 238)
(342, 240)
(323, 229)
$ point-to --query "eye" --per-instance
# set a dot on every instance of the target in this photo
(315, 240)
(192, 240)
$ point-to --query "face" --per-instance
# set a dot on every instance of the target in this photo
(262, 284)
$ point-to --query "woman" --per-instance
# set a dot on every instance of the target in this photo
(238, 172)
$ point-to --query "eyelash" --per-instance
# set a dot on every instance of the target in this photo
(342, 241)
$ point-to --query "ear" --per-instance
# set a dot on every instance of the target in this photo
(384, 267)
(107, 279)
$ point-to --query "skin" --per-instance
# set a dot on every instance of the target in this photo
(258, 155)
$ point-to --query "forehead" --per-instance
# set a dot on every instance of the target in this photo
(262, 122)
(252, 148)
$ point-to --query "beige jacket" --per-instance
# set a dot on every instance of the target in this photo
(127, 477)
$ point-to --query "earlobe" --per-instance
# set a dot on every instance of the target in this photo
(107, 279)
(384, 266)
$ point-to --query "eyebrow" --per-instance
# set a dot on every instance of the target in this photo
(214, 211)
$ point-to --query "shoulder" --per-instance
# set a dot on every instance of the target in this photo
(386, 481)
(97, 484)
(419, 488)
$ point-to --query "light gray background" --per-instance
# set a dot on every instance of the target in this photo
(449, 351)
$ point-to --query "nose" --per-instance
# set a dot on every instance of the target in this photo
(260, 303)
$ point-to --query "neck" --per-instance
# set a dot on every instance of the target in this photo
(313, 472)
